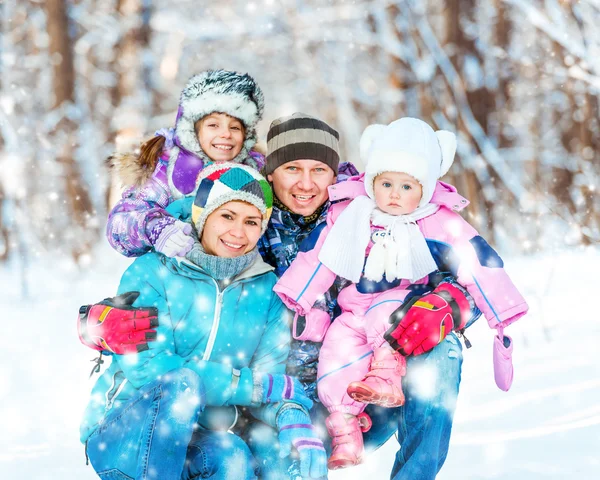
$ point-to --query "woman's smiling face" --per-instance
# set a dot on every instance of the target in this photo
(232, 230)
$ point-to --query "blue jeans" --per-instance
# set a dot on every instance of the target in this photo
(219, 456)
(424, 422)
(147, 436)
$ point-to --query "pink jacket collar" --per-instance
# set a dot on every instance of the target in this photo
(444, 193)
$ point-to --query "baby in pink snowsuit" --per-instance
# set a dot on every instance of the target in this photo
(387, 241)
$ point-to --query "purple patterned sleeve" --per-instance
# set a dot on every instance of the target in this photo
(346, 170)
(138, 218)
(259, 158)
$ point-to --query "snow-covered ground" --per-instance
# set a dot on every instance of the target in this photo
(546, 427)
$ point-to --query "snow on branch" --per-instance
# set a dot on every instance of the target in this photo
(509, 177)
(557, 34)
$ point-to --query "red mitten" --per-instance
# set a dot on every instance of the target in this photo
(116, 326)
(423, 322)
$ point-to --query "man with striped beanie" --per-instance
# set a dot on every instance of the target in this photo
(302, 161)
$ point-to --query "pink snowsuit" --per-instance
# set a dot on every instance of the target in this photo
(348, 346)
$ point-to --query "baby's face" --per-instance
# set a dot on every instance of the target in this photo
(397, 193)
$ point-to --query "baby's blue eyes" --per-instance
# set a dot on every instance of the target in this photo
(406, 186)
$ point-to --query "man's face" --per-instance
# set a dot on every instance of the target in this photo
(301, 185)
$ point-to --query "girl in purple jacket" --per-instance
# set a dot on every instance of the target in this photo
(388, 242)
(216, 120)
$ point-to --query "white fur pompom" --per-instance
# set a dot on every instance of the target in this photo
(366, 140)
(391, 261)
(375, 265)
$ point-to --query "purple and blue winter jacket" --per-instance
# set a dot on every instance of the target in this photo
(137, 220)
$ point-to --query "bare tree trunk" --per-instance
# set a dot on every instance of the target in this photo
(129, 96)
(481, 102)
(4, 234)
(78, 200)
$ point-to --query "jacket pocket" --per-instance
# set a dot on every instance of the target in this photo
(113, 474)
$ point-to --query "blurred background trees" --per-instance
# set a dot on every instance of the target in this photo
(517, 80)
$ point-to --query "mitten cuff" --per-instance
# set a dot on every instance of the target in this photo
(461, 308)
(156, 225)
(292, 414)
(257, 388)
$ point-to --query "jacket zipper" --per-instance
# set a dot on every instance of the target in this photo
(215, 326)
(216, 318)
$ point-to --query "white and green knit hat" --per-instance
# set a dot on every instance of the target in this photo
(226, 182)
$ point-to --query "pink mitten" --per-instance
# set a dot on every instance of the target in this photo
(503, 367)
(313, 326)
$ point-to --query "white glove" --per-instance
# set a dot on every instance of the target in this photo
(175, 240)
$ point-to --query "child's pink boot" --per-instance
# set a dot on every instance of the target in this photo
(383, 384)
(346, 439)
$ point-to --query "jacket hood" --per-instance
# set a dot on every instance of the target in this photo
(129, 169)
(221, 91)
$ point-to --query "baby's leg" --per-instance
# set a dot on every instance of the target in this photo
(344, 357)
(382, 385)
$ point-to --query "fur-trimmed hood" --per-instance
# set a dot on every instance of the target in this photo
(235, 94)
(129, 169)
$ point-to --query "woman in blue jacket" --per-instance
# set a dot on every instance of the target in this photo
(222, 343)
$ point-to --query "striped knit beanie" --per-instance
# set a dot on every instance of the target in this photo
(301, 137)
(225, 182)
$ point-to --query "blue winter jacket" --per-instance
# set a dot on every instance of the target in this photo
(203, 327)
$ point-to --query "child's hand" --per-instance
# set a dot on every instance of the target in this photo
(175, 240)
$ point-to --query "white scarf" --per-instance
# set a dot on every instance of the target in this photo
(400, 251)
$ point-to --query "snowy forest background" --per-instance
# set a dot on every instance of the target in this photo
(517, 80)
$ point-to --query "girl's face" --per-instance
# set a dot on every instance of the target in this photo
(221, 136)
(397, 193)
(232, 230)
